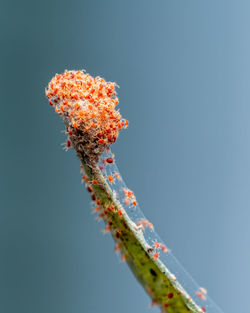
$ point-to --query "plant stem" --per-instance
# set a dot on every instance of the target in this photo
(154, 276)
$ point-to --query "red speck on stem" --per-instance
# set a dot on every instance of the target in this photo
(109, 160)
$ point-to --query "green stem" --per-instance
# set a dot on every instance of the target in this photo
(153, 275)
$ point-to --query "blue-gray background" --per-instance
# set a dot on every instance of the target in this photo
(184, 71)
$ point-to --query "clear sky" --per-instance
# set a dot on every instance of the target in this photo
(183, 67)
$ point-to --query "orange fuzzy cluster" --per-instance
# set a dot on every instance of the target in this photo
(88, 107)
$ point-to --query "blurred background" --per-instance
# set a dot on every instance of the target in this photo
(183, 67)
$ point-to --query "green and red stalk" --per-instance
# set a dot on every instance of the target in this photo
(87, 106)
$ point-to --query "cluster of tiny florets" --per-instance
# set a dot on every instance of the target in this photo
(88, 107)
